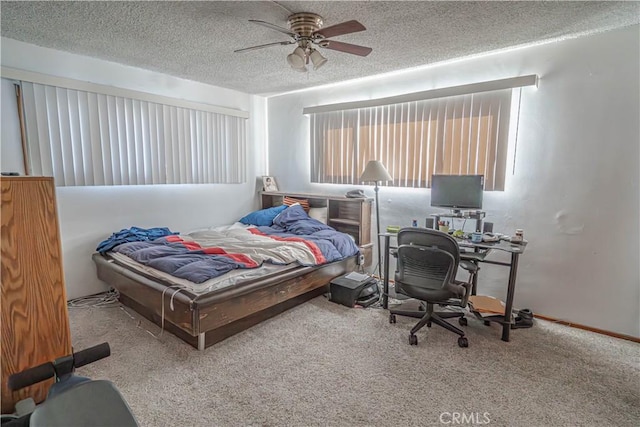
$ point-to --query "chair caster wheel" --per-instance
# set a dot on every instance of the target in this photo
(463, 342)
(463, 321)
(413, 340)
(392, 318)
(487, 323)
(428, 324)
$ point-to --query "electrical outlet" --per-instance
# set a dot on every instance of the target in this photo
(361, 260)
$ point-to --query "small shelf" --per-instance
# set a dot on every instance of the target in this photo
(477, 216)
(345, 221)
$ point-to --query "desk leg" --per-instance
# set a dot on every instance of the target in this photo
(513, 271)
(474, 283)
(385, 289)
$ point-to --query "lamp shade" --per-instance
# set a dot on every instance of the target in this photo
(374, 172)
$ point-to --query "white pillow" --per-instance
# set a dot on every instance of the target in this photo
(319, 213)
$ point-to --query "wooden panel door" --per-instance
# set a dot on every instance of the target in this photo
(35, 322)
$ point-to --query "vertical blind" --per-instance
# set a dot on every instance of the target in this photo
(84, 138)
(458, 135)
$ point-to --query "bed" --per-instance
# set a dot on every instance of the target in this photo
(207, 285)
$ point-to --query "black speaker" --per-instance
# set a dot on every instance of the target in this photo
(350, 292)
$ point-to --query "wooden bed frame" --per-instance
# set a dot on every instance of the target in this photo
(203, 320)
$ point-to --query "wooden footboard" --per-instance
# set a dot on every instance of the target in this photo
(207, 319)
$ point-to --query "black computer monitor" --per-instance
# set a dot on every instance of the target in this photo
(457, 191)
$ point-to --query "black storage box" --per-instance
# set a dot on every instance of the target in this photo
(350, 292)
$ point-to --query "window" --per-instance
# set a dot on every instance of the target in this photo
(464, 134)
(85, 138)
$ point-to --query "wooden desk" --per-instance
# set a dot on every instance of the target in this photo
(514, 249)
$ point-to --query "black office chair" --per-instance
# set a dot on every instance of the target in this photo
(425, 270)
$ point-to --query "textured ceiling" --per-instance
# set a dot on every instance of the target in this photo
(195, 40)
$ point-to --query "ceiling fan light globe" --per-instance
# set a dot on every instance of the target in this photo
(297, 58)
(317, 59)
(295, 61)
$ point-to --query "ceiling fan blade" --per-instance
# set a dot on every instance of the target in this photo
(273, 27)
(346, 47)
(247, 49)
(340, 29)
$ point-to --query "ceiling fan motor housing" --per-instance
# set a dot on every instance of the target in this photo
(305, 23)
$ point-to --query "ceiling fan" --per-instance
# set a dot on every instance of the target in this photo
(306, 30)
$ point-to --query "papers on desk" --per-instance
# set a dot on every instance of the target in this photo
(486, 306)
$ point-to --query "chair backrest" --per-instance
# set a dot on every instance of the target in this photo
(429, 237)
(423, 267)
(426, 258)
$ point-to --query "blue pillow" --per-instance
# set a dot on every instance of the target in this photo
(263, 217)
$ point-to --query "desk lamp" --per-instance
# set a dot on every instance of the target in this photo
(376, 172)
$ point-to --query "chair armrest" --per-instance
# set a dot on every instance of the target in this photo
(473, 256)
(467, 287)
(470, 266)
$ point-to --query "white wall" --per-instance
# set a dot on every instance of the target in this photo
(89, 215)
(575, 190)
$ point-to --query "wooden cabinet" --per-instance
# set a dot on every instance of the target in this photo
(35, 322)
(350, 216)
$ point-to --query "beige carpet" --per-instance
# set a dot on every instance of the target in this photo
(322, 364)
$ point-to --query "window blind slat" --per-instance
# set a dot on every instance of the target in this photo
(187, 162)
(74, 133)
(218, 144)
(104, 123)
(199, 140)
(50, 137)
(151, 134)
(139, 157)
(94, 129)
(61, 130)
(34, 129)
(167, 131)
(114, 136)
(209, 148)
